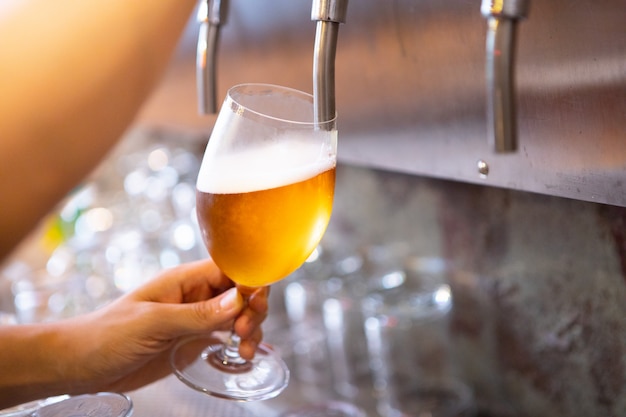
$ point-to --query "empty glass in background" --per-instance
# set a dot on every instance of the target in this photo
(27, 409)
(300, 298)
(312, 355)
(303, 294)
(366, 268)
(408, 339)
(322, 301)
(103, 404)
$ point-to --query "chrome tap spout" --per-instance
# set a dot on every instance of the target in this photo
(502, 17)
(211, 14)
(328, 14)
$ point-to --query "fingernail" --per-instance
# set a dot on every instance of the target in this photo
(229, 299)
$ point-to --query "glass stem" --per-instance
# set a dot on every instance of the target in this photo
(230, 351)
(228, 358)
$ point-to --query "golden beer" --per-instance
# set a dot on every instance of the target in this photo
(261, 236)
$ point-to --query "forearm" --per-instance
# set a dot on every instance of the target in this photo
(34, 363)
(73, 74)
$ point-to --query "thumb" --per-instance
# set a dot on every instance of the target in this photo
(208, 315)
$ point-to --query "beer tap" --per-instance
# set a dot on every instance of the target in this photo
(211, 14)
(328, 14)
(502, 17)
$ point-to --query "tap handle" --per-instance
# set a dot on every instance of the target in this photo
(502, 17)
(211, 14)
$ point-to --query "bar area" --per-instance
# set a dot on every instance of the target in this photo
(475, 260)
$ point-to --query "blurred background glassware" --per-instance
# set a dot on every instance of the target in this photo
(41, 297)
(327, 409)
(408, 340)
(7, 318)
(295, 325)
(300, 325)
(359, 271)
(133, 217)
(343, 292)
(305, 297)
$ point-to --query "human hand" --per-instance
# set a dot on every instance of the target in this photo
(127, 343)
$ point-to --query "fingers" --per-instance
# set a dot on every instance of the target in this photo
(248, 324)
(195, 279)
(197, 298)
(185, 283)
(202, 316)
(254, 314)
(248, 346)
(258, 300)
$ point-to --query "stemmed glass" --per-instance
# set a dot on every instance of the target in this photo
(264, 199)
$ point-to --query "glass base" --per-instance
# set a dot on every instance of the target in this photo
(196, 363)
(104, 404)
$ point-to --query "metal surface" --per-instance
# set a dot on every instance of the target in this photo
(411, 92)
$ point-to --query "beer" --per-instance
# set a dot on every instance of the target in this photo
(261, 215)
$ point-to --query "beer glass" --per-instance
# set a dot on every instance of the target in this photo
(263, 200)
(407, 331)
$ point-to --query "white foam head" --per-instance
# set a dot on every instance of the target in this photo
(263, 167)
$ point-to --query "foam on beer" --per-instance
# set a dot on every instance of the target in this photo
(263, 167)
